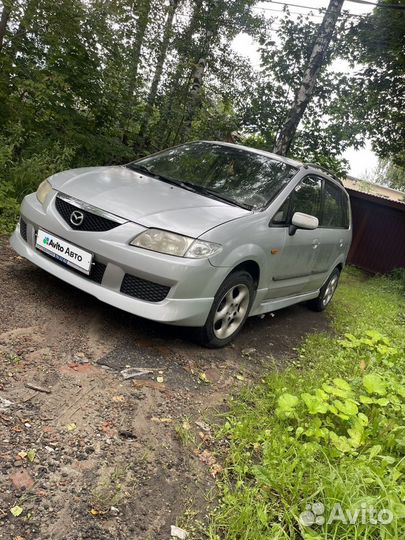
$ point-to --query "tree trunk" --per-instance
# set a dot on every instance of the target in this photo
(135, 59)
(165, 125)
(194, 96)
(162, 51)
(5, 14)
(306, 90)
(138, 42)
(159, 65)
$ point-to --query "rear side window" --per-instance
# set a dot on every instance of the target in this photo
(334, 211)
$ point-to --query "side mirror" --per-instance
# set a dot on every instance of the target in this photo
(302, 221)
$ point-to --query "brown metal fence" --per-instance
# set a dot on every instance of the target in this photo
(378, 243)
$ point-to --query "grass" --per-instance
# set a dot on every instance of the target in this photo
(329, 432)
(184, 433)
(111, 488)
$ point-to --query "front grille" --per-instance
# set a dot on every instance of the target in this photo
(96, 272)
(143, 289)
(23, 229)
(91, 222)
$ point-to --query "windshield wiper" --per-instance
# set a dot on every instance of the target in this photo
(214, 194)
(189, 186)
(141, 168)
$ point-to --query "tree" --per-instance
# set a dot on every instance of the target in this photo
(104, 81)
(285, 51)
(389, 174)
(377, 44)
(307, 87)
(167, 32)
(5, 14)
(142, 23)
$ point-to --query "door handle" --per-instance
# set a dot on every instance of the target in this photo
(315, 243)
(341, 242)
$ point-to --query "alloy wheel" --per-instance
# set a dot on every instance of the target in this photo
(231, 311)
(330, 289)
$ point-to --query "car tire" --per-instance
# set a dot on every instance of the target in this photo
(326, 293)
(229, 310)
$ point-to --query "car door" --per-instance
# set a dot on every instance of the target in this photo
(333, 231)
(291, 268)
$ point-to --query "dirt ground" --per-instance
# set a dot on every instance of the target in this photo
(98, 456)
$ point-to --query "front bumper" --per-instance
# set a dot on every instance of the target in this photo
(193, 283)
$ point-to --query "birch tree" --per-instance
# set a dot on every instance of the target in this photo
(306, 90)
(167, 32)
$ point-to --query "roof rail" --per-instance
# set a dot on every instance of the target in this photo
(325, 170)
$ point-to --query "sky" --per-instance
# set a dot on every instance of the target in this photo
(362, 162)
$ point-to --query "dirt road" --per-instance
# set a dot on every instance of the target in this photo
(98, 456)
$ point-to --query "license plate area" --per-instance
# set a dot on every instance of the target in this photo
(64, 251)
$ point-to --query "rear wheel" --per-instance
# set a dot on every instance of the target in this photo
(326, 293)
(229, 310)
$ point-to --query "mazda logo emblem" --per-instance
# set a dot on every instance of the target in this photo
(76, 218)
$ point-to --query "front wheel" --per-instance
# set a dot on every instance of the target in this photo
(326, 293)
(229, 310)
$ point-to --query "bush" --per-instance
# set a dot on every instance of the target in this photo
(27, 158)
(329, 432)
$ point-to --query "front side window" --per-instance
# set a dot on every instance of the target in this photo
(307, 197)
(237, 174)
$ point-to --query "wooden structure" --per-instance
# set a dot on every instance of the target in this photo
(378, 226)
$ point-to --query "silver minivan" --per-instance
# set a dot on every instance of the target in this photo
(203, 235)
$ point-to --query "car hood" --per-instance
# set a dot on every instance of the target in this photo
(145, 200)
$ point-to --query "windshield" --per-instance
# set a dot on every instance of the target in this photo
(236, 175)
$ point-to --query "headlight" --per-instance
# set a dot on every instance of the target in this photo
(175, 244)
(43, 190)
(201, 249)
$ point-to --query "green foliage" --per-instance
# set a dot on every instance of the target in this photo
(23, 167)
(330, 432)
(377, 92)
(390, 174)
(75, 83)
(95, 83)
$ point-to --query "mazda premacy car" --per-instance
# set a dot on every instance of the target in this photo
(202, 235)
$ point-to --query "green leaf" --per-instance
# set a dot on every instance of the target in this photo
(374, 384)
(202, 376)
(399, 389)
(356, 433)
(321, 394)
(376, 336)
(16, 510)
(31, 454)
(336, 391)
(363, 418)
(341, 443)
(314, 404)
(374, 450)
(286, 403)
(342, 384)
(348, 407)
(398, 510)
(299, 431)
